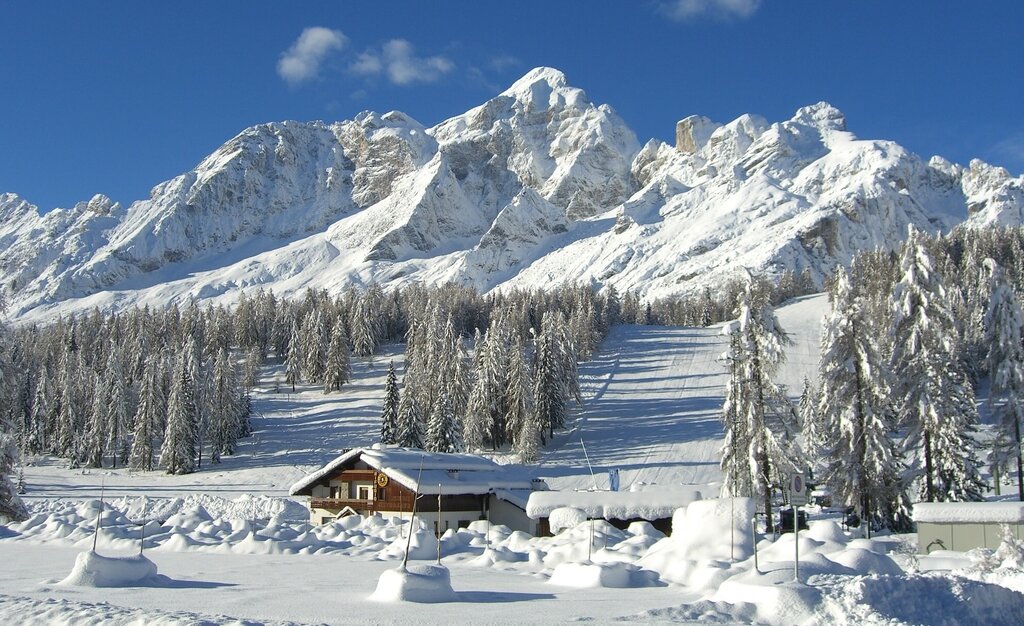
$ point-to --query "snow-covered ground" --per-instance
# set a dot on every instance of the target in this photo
(229, 548)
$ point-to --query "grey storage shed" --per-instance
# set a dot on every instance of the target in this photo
(963, 526)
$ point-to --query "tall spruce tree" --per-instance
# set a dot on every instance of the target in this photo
(927, 377)
(293, 359)
(338, 368)
(389, 415)
(147, 416)
(863, 467)
(443, 429)
(178, 452)
(410, 419)
(119, 410)
(1004, 336)
(760, 415)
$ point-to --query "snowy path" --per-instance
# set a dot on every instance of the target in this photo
(652, 401)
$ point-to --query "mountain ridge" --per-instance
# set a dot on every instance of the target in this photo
(535, 186)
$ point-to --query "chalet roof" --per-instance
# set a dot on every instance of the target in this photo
(969, 512)
(652, 503)
(448, 474)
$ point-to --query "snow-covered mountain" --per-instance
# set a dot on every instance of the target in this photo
(535, 186)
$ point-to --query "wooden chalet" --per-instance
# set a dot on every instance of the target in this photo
(385, 481)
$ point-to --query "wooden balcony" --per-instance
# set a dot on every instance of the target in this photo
(339, 503)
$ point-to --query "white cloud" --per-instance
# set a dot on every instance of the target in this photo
(1012, 147)
(504, 62)
(301, 62)
(686, 10)
(398, 61)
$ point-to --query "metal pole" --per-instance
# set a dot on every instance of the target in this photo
(796, 543)
(438, 523)
(732, 529)
(99, 515)
(590, 544)
(753, 535)
(587, 457)
(412, 519)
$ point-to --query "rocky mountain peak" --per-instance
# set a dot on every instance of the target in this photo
(821, 115)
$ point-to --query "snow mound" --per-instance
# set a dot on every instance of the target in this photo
(422, 545)
(593, 575)
(565, 517)
(94, 570)
(785, 603)
(417, 583)
(867, 562)
(937, 600)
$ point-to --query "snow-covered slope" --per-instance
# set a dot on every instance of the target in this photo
(536, 186)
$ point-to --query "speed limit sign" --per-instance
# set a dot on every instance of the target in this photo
(797, 488)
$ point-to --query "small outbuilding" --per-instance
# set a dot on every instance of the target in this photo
(655, 504)
(963, 526)
(386, 481)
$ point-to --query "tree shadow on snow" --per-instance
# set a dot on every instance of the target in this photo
(492, 597)
(164, 582)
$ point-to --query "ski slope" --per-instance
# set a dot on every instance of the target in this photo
(653, 395)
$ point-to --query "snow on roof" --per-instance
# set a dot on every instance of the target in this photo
(652, 504)
(441, 473)
(969, 512)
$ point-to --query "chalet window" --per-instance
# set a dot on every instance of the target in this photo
(335, 492)
(381, 492)
(364, 493)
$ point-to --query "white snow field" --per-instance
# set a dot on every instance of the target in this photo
(229, 548)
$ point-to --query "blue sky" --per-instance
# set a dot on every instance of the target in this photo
(113, 97)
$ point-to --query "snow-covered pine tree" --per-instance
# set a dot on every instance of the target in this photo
(338, 370)
(954, 454)
(442, 428)
(815, 440)
(410, 418)
(314, 347)
(736, 467)
(11, 506)
(364, 340)
(1004, 336)
(497, 374)
(925, 368)
(119, 409)
(69, 420)
(293, 360)
(519, 394)
(763, 413)
(223, 407)
(178, 452)
(476, 423)
(389, 415)
(455, 374)
(42, 401)
(863, 466)
(147, 416)
(96, 437)
(202, 392)
(251, 369)
(528, 440)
